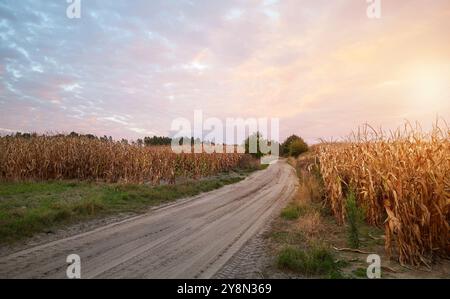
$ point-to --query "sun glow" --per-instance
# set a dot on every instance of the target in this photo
(429, 86)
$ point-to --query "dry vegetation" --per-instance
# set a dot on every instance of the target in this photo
(64, 157)
(47, 181)
(401, 181)
(297, 237)
(308, 242)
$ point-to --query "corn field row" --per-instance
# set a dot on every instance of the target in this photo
(401, 181)
(64, 157)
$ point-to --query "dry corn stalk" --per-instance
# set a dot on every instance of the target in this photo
(402, 182)
(82, 158)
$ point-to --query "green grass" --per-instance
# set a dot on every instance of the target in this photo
(29, 208)
(288, 237)
(263, 166)
(294, 210)
(252, 168)
(291, 212)
(360, 273)
(316, 260)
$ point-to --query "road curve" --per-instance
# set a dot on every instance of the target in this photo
(192, 238)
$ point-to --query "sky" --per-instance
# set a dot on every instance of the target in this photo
(129, 68)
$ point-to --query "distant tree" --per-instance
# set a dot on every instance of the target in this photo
(300, 146)
(297, 148)
(90, 136)
(157, 140)
(24, 135)
(254, 139)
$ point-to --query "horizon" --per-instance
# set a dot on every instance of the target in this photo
(128, 70)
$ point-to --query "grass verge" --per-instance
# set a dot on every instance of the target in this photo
(316, 260)
(300, 246)
(27, 208)
(305, 245)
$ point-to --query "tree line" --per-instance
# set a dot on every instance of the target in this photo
(292, 146)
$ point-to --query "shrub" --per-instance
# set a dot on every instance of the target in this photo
(299, 148)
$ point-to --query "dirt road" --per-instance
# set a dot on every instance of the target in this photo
(192, 238)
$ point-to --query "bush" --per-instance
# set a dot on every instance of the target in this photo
(293, 144)
(297, 148)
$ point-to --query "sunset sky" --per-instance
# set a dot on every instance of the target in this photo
(128, 68)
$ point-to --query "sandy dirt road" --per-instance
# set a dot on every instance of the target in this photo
(192, 238)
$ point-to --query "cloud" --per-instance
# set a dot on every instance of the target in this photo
(116, 119)
(143, 131)
(128, 70)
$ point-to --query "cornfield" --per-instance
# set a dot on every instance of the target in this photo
(401, 181)
(82, 158)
